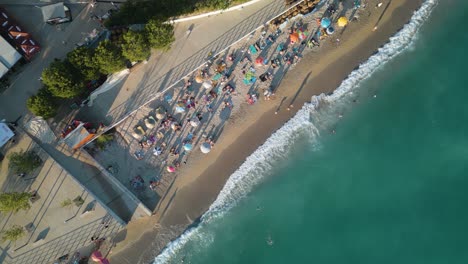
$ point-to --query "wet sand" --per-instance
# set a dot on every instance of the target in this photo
(318, 72)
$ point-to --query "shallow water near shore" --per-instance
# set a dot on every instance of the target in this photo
(388, 187)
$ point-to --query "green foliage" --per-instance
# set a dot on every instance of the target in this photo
(135, 46)
(78, 201)
(212, 4)
(24, 162)
(141, 11)
(13, 234)
(160, 36)
(109, 57)
(14, 202)
(103, 140)
(42, 104)
(62, 79)
(82, 59)
(66, 203)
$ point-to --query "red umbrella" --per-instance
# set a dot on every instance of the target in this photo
(259, 61)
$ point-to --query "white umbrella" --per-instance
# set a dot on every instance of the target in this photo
(195, 122)
(205, 148)
(207, 85)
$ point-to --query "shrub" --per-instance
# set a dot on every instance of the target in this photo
(103, 140)
(109, 57)
(14, 202)
(24, 162)
(66, 203)
(78, 201)
(42, 104)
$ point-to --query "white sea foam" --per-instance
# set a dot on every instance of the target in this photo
(277, 146)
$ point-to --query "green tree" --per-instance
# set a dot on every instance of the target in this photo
(103, 140)
(14, 202)
(13, 234)
(82, 59)
(135, 46)
(160, 35)
(109, 57)
(42, 104)
(24, 162)
(62, 79)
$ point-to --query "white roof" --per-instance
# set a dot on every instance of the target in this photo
(8, 55)
(3, 70)
(5, 134)
(53, 11)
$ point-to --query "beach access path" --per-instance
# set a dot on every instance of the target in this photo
(318, 72)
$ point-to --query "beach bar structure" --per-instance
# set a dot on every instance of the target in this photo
(77, 134)
(16, 35)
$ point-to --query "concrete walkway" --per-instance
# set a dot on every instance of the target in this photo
(194, 41)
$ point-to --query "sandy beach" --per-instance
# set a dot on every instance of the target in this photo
(319, 71)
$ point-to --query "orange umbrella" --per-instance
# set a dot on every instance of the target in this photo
(294, 37)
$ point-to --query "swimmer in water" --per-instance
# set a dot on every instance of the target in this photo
(269, 240)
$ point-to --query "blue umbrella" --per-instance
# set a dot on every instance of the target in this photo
(188, 147)
(330, 30)
(326, 22)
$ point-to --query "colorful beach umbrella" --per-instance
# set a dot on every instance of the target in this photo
(294, 37)
(199, 79)
(188, 146)
(171, 169)
(330, 30)
(160, 112)
(207, 85)
(326, 22)
(180, 108)
(259, 61)
(195, 122)
(96, 256)
(205, 148)
(342, 21)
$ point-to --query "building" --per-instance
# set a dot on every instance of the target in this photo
(16, 35)
(8, 56)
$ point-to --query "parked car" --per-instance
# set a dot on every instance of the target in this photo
(60, 20)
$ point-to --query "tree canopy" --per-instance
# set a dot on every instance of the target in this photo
(42, 104)
(82, 59)
(62, 79)
(14, 202)
(13, 234)
(24, 162)
(160, 35)
(135, 46)
(109, 57)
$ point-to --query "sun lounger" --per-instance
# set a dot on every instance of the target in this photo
(138, 132)
(150, 122)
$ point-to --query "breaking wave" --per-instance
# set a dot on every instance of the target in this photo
(277, 146)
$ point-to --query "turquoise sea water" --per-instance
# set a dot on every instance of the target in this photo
(389, 187)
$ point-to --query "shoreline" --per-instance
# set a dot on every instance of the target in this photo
(201, 181)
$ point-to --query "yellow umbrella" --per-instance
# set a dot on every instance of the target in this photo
(199, 79)
(342, 21)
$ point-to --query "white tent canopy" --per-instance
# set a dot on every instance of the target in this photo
(5, 134)
(53, 11)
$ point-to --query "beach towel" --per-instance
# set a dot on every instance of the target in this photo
(217, 76)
